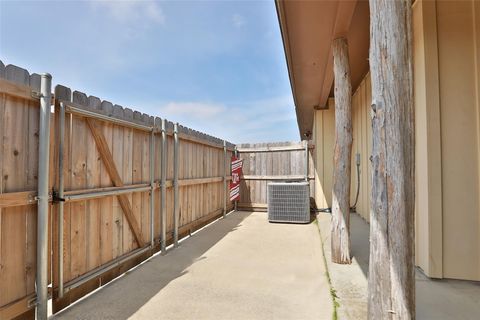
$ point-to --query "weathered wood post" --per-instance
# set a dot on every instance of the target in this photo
(391, 281)
(340, 239)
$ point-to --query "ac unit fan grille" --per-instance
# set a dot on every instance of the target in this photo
(289, 202)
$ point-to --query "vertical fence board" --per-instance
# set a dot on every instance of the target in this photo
(260, 167)
(128, 239)
(106, 204)
(95, 230)
(117, 152)
(3, 97)
(93, 218)
(18, 172)
(14, 179)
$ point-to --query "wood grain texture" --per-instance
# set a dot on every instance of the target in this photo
(96, 231)
(19, 115)
(14, 199)
(107, 158)
(17, 90)
(269, 162)
(340, 237)
(391, 280)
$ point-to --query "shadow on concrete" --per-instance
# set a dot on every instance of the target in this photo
(360, 245)
(120, 299)
(435, 298)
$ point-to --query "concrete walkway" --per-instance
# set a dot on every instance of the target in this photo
(435, 299)
(241, 267)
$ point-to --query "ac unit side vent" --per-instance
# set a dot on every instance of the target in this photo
(289, 202)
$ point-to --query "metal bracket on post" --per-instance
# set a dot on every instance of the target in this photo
(42, 208)
(36, 94)
(176, 208)
(224, 178)
(163, 189)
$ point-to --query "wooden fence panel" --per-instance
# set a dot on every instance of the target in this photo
(98, 155)
(265, 162)
(98, 231)
(19, 137)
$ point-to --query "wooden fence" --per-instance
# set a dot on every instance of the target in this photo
(266, 162)
(19, 126)
(107, 183)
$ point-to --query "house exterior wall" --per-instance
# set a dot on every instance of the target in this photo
(458, 32)
(446, 50)
(428, 180)
(323, 136)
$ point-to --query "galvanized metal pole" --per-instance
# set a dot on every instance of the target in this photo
(100, 194)
(176, 208)
(42, 208)
(61, 143)
(152, 187)
(163, 190)
(92, 274)
(224, 178)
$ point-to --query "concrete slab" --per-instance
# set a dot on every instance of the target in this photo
(348, 281)
(241, 267)
(435, 299)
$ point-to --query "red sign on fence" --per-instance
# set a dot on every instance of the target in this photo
(235, 183)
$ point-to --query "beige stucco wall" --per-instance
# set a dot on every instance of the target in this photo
(446, 72)
(362, 145)
(446, 36)
(428, 218)
(323, 136)
(458, 31)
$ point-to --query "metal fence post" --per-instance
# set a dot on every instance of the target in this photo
(224, 178)
(61, 144)
(42, 215)
(163, 191)
(152, 186)
(175, 184)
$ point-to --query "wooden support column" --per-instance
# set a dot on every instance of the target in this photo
(391, 281)
(342, 157)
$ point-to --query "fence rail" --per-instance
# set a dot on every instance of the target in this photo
(269, 162)
(123, 185)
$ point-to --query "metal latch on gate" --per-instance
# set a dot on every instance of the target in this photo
(56, 198)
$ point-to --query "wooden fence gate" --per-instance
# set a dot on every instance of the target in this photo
(266, 162)
(122, 186)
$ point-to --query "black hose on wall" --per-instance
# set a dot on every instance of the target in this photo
(353, 208)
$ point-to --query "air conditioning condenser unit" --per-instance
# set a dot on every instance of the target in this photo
(288, 202)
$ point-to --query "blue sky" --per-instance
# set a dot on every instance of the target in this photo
(215, 66)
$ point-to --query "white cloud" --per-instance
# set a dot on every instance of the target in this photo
(192, 110)
(265, 120)
(131, 11)
(238, 20)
